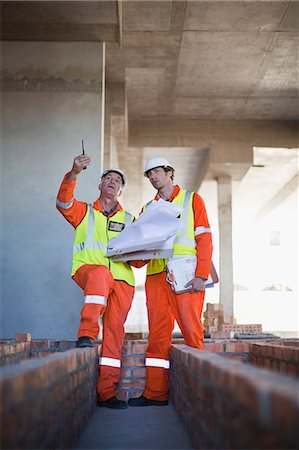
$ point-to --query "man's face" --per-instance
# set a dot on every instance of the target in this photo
(111, 184)
(159, 178)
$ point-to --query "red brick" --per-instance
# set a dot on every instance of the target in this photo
(40, 344)
(139, 347)
(291, 370)
(292, 343)
(289, 354)
(127, 347)
(43, 354)
(139, 373)
(132, 384)
(213, 346)
(126, 373)
(269, 351)
(23, 337)
(278, 351)
(12, 349)
(283, 367)
(241, 347)
(134, 336)
(220, 335)
(234, 356)
(129, 361)
(284, 409)
(210, 306)
(6, 349)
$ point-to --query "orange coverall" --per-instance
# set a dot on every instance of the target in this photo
(114, 297)
(164, 306)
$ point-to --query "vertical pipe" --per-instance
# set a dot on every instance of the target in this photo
(103, 106)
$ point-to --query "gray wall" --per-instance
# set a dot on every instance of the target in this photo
(41, 133)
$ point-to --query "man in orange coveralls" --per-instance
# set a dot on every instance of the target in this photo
(163, 304)
(108, 286)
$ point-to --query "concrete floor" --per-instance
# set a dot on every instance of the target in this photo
(152, 428)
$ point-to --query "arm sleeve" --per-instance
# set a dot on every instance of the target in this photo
(67, 205)
(203, 237)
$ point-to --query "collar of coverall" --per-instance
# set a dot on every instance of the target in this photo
(175, 192)
(97, 205)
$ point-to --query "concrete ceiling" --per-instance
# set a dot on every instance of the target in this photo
(195, 59)
(181, 61)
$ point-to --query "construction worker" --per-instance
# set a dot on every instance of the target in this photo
(108, 286)
(163, 304)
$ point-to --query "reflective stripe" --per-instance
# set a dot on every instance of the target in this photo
(97, 299)
(185, 241)
(157, 362)
(90, 228)
(128, 219)
(111, 362)
(182, 238)
(64, 205)
(83, 245)
(201, 230)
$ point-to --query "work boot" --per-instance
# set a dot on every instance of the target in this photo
(113, 403)
(84, 341)
(143, 401)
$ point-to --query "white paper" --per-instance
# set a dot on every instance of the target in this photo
(154, 230)
(181, 270)
(143, 255)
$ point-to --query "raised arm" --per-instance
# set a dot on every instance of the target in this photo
(67, 205)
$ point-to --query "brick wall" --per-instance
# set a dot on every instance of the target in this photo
(133, 359)
(133, 369)
(49, 392)
(133, 362)
(225, 404)
(281, 356)
(12, 352)
(45, 403)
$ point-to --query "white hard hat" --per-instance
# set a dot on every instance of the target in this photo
(116, 170)
(156, 161)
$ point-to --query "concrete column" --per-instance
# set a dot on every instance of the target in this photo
(225, 245)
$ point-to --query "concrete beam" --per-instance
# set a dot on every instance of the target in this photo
(180, 132)
(62, 21)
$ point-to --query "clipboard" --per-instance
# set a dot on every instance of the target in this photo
(181, 270)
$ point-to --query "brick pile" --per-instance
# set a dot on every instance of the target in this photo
(215, 326)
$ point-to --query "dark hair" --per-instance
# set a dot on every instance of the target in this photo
(169, 169)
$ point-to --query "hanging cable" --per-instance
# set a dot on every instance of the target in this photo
(103, 106)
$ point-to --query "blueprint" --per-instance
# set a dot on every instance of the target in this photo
(151, 236)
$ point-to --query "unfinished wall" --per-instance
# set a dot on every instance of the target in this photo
(222, 402)
(46, 403)
(229, 405)
(50, 101)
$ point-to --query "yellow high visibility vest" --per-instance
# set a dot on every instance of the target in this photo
(184, 243)
(91, 239)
